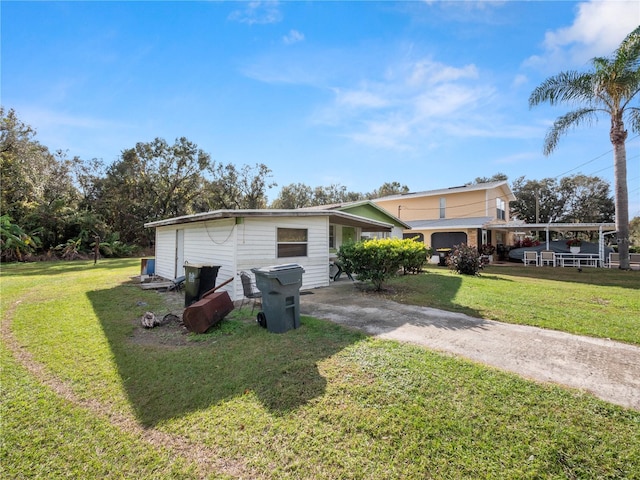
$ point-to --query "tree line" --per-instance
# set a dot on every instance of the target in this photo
(55, 206)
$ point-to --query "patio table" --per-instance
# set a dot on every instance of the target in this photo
(578, 259)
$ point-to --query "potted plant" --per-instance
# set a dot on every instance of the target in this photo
(574, 245)
(487, 250)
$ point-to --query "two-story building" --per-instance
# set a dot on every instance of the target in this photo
(470, 214)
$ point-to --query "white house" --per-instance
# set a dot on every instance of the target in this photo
(239, 240)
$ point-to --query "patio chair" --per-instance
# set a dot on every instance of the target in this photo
(530, 256)
(177, 283)
(248, 291)
(547, 257)
(336, 270)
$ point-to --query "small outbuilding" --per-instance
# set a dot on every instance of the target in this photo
(239, 240)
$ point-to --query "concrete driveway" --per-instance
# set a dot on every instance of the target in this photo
(607, 369)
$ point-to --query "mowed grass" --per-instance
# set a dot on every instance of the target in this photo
(317, 402)
(595, 302)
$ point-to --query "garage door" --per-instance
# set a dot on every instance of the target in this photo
(447, 239)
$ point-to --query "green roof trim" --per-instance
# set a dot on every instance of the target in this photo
(373, 212)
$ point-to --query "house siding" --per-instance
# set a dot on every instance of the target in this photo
(458, 204)
(251, 243)
(257, 247)
(479, 203)
(213, 243)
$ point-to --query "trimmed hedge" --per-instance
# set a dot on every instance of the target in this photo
(379, 259)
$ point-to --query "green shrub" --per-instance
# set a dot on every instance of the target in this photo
(464, 259)
(15, 244)
(71, 250)
(414, 255)
(113, 247)
(377, 260)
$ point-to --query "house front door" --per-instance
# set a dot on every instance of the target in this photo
(348, 234)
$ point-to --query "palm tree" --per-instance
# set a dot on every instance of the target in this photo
(608, 88)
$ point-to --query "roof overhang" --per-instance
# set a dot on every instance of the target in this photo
(555, 227)
(334, 216)
(450, 223)
(359, 203)
(501, 185)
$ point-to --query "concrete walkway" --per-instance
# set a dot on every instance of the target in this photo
(607, 369)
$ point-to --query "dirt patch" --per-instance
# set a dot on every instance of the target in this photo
(170, 332)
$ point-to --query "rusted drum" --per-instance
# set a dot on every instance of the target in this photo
(207, 312)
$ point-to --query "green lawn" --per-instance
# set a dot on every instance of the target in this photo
(316, 402)
(596, 302)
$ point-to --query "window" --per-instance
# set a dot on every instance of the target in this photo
(292, 242)
(442, 207)
(332, 236)
(500, 209)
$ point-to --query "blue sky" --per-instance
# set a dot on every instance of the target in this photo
(429, 94)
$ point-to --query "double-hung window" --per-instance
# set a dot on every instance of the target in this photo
(501, 206)
(292, 242)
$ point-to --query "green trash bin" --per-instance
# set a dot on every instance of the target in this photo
(199, 279)
(280, 288)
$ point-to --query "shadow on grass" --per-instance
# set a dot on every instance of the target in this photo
(605, 277)
(404, 300)
(169, 380)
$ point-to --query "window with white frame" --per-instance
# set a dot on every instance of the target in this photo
(292, 242)
(501, 206)
(443, 204)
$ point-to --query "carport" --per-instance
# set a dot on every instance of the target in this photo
(603, 230)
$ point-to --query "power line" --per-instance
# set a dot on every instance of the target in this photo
(596, 158)
(583, 164)
(483, 202)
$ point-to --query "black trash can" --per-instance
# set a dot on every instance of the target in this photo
(280, 288)
(199, 279)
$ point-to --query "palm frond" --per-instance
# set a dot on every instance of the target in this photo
(634, 118)
(565, 123)
(565, 87)
(628, 53)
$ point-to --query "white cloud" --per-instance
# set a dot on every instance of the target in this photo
(410, 105)
(597, 30)
(292, 37)
(519, 80)
(385, 134)
(404, 104)
(56, 129)
(448, 100)
(258, 13)
(427, 72)
(359, 99)
(49, 118)
(518, 158)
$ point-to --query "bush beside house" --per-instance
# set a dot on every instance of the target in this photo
(377, 260)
